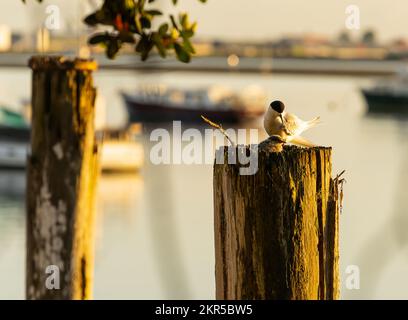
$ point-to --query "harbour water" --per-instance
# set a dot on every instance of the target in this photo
(155, 229)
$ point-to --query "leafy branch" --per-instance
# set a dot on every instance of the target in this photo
(130, 21)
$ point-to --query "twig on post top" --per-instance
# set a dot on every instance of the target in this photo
(219, 127)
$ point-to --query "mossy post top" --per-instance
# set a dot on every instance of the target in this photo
(37, 63)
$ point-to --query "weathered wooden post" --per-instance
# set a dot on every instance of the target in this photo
(276, 232)
(61, 177)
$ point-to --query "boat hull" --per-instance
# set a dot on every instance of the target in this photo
(121, 156)
(13, 147)
(153, 112)
(386, 103)
(116, 156)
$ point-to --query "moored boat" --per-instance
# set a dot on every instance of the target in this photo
(389, 95)
(121, 152)
(120, 149)
(162, 104)
(14, 137)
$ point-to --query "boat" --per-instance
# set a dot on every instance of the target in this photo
(120, 149)
(389, 95)
(160, 103)
(14, 137)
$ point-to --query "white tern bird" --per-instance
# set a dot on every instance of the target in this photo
(286, 125)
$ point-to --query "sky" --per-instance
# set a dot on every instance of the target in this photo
(245, 19)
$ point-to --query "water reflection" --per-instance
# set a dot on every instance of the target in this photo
(12, 187)
(164, 234)
(390, 239)
(12, 234)
(155, 228)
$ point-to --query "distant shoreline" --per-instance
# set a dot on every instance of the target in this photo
(247, 65)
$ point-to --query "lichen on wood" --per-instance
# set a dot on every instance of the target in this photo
(61, 177)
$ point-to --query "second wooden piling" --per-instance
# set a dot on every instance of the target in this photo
(61, 177)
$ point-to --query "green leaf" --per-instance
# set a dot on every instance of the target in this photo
(181, 53)
(91, 20)
(129, 4)
(98, 17)
(188, 46)
(113, 47)
(138, 24)
(154, 12)
(126, 37)
(141, 3)
(187, 33)
(145, 22)
(163, 29)
(173, 22)
(184, 20)
(99, 38)
(159, 45)
(144, 46)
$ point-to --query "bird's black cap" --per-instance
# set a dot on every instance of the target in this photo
(278, 106)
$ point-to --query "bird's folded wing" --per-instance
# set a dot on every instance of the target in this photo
(291, 123)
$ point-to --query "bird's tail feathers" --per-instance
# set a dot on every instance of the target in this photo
(300, 141)
(312, 123)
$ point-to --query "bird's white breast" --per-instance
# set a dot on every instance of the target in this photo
(273, 124)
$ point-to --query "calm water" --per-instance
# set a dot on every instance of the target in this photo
(155, 229)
